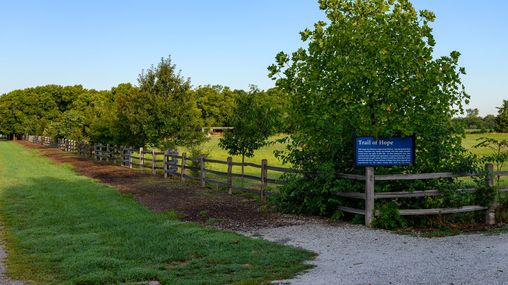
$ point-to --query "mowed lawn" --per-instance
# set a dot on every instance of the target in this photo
(212, 149)
(473, 139)
(62, 228)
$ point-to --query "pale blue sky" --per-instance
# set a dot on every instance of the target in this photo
(100, 44)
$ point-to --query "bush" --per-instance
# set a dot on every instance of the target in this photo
(389, 217)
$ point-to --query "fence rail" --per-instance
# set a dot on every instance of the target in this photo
(172, 164)
(176, 165)
(369, 195)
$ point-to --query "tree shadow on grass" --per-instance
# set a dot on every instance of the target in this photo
(76, 230)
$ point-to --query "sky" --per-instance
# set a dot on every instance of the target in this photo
(100, 44)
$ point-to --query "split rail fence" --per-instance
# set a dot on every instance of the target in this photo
(174, 164)
(369, 195)
(171, 163)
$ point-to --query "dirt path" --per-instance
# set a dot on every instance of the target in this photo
(193, 203)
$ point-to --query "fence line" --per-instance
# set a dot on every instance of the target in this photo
(176, 165)
(172, 164)
(369, 195)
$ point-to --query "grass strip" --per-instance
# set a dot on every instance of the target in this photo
(62, 228)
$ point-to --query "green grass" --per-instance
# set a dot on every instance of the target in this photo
(473, 139)
(62, 228)
(266, 152)
(212, 149)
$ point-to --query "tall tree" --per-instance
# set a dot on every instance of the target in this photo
(253, 120)
(163, 111)
(370, 70)
(216, 104)
(502, 118)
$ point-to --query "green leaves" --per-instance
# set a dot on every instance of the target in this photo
(255, 117)
(502, 118)
(370, 70)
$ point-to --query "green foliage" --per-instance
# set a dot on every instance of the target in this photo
(313, 193)
(484, 195)
(389, 217)
(339, 215)
(61, 228)
(164, 112)
(254, 120)
(51, 110)
(216, 104)
(115, 122)
(472, 121)
(197, 151)
(369, 70)
(502, 118)
(498, 148)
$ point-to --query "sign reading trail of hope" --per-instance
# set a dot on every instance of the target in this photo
(370, 151)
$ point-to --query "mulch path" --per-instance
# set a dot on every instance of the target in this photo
(191, 202)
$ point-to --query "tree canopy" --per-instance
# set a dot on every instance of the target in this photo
(254, 119)
(370, 70)
(50, 110)
(502, 117)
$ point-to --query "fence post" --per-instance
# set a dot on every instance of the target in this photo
(184, 161)
(202, 173)
(90, 150)
(154, 163)
(230, 177)
(490, 217)
(369, 195)
(129, 154)
(264, 176)
(125, 156)
(108, 152)
(141, 158)
(115, 156)
(165, 167)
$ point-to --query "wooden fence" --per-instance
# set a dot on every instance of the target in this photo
(176, 165)
(369, 195)
(171, 163)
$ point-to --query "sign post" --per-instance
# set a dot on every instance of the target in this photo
(371, 152)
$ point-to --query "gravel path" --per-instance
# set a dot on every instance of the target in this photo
(350, 254)
(4, 280)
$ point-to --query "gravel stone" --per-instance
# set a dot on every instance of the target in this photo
(3, 279)
(353, 254)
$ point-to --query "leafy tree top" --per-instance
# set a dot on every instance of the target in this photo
(254, 119)
(502, 117)
(369, 70)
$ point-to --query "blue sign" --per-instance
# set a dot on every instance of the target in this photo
(370, 151)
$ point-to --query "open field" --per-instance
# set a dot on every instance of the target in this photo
(212, 148)
(64, 228)
(472, 139)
